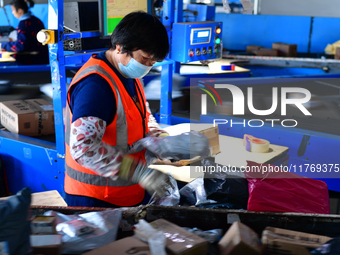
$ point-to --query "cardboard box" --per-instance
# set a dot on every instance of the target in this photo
(128, 245)
(31, 117)
(240, 239)
(213, 135)
(337, 53)
(282, 241)
(46, 244)
(285, 49)
(251, 48)
(179, 240)
(266, 52)
(43, 225)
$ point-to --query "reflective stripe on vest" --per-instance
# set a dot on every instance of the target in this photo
(87, 176)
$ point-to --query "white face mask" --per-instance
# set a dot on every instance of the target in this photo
(134, 69)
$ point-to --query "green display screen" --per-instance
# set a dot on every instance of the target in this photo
(113, 12)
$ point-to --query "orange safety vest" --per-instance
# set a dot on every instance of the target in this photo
(132, 125)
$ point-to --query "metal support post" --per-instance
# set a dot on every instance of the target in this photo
(58, 77)
(166, 94)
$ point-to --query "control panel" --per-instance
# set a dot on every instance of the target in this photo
(196, 41)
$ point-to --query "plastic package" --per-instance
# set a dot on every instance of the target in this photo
(226, 5)
(76, 227)
(194, 193)
(156, 239)
(211, 236)
(332, 247)
(285, 192)
(106, 223)
(224, 187)
(170, 200)
(184, 146)
(248, 6)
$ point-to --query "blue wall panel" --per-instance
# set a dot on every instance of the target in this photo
(241, 30)
(325, 30)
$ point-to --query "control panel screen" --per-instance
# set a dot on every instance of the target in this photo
(200, 35)
(203, 34)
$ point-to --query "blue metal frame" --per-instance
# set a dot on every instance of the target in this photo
(58, 77)
(22, 69)
(166, 93)
(80, 35)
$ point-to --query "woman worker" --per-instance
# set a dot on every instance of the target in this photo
(30, 51)
(107, 113)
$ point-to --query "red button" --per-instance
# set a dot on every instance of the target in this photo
(191, 54)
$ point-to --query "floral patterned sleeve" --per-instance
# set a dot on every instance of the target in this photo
(88, 149)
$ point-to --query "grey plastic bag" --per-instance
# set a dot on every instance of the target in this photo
(184, 146)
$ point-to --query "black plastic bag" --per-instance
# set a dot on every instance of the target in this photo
(332, 247)
(225, 187)
(194, 193)
(220, 206)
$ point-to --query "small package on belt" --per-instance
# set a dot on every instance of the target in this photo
(285, 49)
(179, 240)
(76, 227)
(46, 244)
(43, 225)
(240, 239)
(278, 241)
(33, 117)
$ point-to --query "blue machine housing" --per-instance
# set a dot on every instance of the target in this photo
(199, 12)
(196, 41)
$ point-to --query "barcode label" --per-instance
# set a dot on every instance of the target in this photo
(4, 248)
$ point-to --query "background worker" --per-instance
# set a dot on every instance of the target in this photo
(30, 51)
(108, 114)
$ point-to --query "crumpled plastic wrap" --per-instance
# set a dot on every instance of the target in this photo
(76, 227)
(184, 146)
(170, 200)
(211, 236)
(194, 193)
(332, 247)
(156, 239)
(106, 223)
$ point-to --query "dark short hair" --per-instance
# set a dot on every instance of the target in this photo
(22, 4)
(141, 31)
